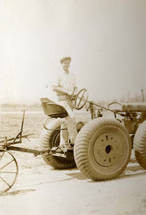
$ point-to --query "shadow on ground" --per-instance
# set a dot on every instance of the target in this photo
(131, 171)
(15, 192)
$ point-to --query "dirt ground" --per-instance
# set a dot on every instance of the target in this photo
(41, 190)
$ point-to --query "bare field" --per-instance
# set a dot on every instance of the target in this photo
(10, 123)
(40, 190)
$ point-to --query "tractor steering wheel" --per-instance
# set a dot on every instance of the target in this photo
(80, 99)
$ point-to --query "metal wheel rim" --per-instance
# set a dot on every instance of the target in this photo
(55, 138)
(107, 149)
(119, 160)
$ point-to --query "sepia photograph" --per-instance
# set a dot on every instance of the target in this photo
(73, 107)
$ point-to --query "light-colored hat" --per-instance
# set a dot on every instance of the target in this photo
(65, 59)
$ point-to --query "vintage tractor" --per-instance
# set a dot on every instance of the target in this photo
(103, 144)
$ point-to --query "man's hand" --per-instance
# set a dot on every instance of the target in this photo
(61, 90)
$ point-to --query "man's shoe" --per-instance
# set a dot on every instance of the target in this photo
(59, 149)
(69, 147)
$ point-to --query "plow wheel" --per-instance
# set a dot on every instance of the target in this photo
(102, 149)
(51, 138)
(8, 171)
(140, 145)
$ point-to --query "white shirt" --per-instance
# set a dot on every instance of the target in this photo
(67, 81)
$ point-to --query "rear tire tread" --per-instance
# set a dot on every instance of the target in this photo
(140, 145)
(54, 161)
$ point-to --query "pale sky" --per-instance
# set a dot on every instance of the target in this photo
(105, 38)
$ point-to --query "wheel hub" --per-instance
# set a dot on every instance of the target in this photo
(107, 149)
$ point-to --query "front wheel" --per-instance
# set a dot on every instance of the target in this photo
(102, 149)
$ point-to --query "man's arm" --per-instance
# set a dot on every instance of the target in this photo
(59, 89)
(57, 85)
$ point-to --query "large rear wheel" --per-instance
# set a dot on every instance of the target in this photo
(102, 149)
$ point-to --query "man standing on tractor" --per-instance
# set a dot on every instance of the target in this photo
(65, 89)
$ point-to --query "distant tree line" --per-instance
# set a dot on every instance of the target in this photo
(20, 107)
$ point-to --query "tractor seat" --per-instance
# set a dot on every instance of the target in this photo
(52, 109)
